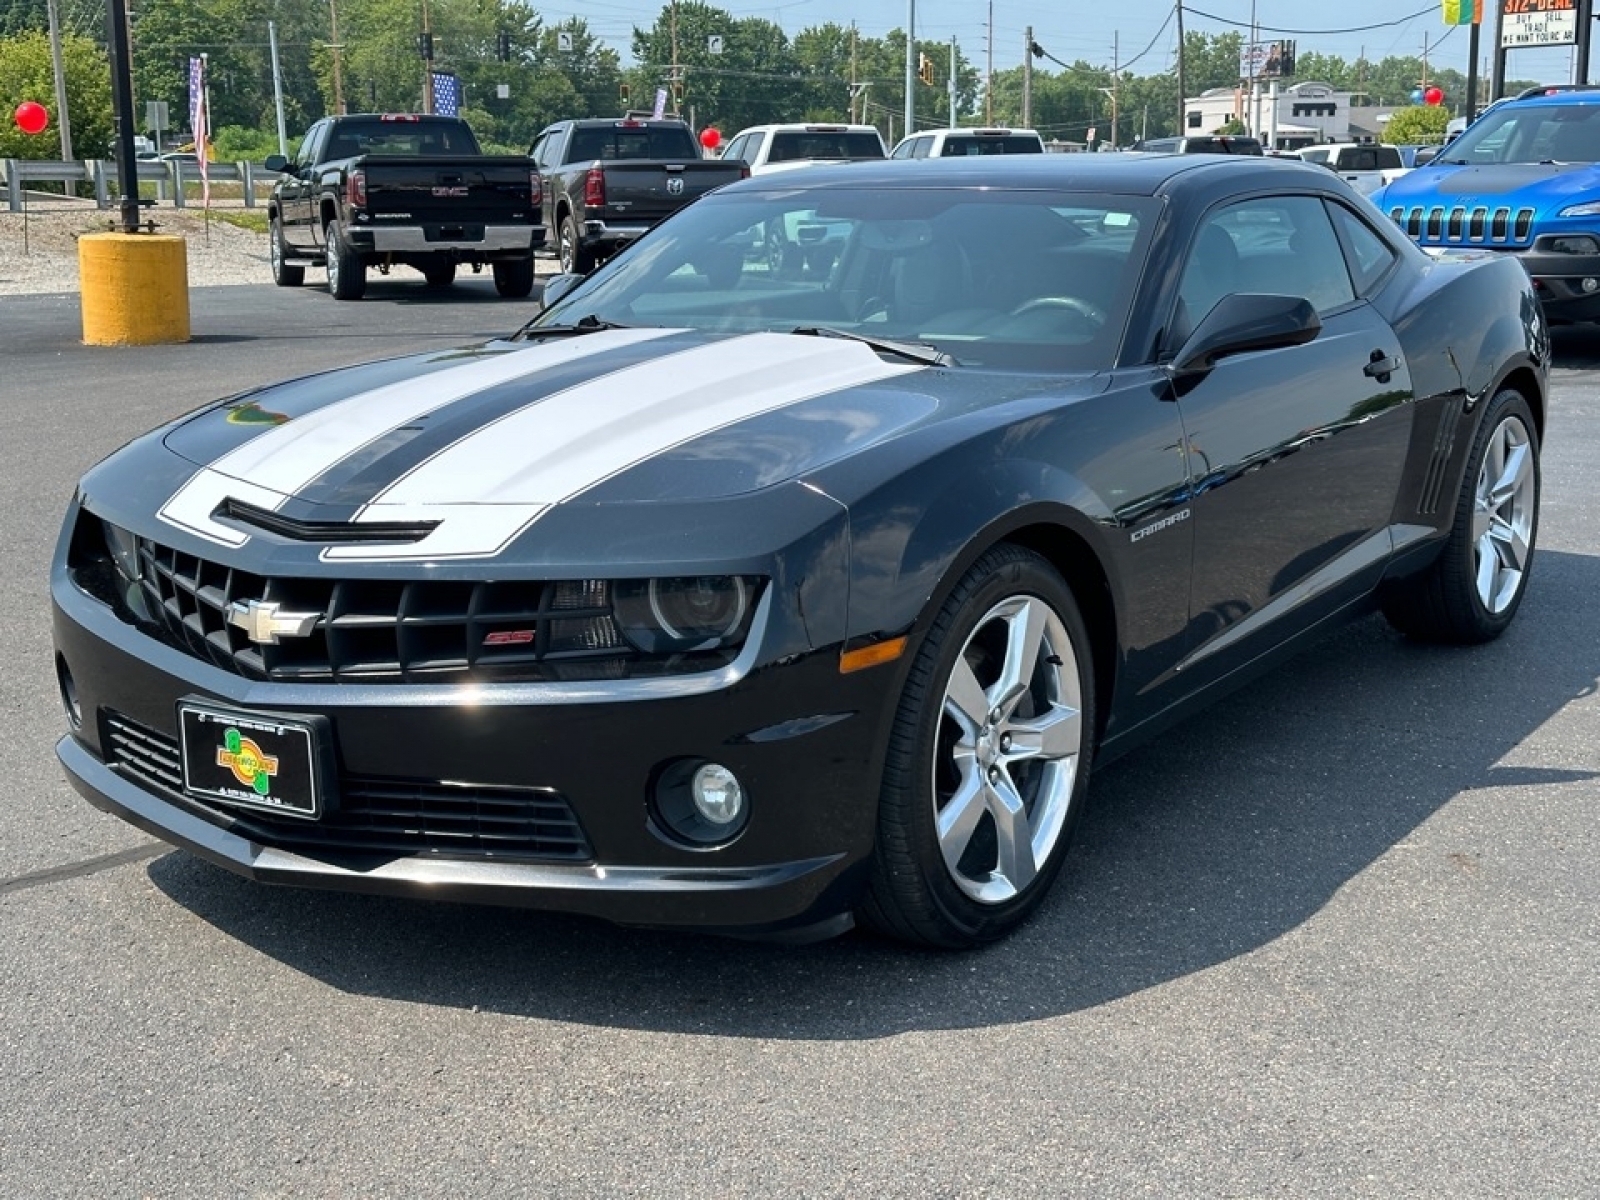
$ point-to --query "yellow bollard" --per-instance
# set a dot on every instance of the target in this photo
(135, 289)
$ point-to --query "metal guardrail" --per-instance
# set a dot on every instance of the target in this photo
(170, 178)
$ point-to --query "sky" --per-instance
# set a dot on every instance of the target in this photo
(1074, 29)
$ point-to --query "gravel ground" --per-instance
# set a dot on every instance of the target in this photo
(39, 252)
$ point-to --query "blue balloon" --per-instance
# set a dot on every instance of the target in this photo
(1416, 96)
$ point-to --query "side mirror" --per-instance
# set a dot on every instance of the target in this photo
(276, 162)
(1243, 322)
(556, 287)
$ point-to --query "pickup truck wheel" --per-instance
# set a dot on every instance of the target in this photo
(347, 274)
(575, 260)
(439, 275)
(284, 274)
(513, 280)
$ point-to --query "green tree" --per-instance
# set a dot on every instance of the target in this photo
(1419, 125)
(26, 74)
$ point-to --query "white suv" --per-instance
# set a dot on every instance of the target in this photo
(958, 143)
(768, 148)
(1364, 166)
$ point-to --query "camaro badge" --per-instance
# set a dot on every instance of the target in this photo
(265, 623)
(245, 759)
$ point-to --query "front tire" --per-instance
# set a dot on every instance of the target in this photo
(1473, 589)
(347, 274)
(988, 758)
(513, 280)
(284, 273)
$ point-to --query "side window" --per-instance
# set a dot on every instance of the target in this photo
(743, 148)
(903, 150)
(1283, 245)
(1368, 254)
(920, 147)
(311, 147)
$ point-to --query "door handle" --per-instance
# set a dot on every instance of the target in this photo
(1381, 366)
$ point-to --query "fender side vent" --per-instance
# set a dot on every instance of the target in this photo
(1444, 442)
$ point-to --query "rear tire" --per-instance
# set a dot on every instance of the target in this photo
(1473, 589)
(988, 758)
(575, 260)
(513, 280)
(440, 275)
(284, 273)
(347, 274)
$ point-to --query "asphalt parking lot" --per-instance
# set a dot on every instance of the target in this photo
(1339, 935)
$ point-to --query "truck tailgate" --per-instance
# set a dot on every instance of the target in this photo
(449, 191)
(653, 190)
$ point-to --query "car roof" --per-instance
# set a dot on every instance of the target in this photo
(1552, 95)
(1122, 174)
(808, 126)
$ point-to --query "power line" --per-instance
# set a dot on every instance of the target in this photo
(1421, 12)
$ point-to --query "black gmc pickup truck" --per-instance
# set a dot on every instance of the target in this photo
(606, 182)
(375, 190)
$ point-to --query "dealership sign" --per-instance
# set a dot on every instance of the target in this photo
(1538, 23)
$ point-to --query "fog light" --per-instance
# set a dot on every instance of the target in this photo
(717, 794)
(1589, 284)
(699, 803)
(69, 695)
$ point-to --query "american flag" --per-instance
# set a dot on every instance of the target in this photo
(200, 122)
(446, 94)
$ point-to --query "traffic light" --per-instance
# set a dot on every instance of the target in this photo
(502, 46)
(624, 93)
(677, 96)
(425, 46)
(925, 69)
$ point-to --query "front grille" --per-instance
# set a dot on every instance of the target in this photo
(430, 631)
(375, 816)
(1438, 224)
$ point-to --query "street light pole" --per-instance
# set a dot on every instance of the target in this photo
(122, 102)
(911, 67)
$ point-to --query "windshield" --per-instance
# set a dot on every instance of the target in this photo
(1024, 280)
(379, 136)
(1543, 133)
(625, 142)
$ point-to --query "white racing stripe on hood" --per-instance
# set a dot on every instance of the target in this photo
(489, 486)
(272, 466)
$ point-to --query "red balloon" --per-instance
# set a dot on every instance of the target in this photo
(711, 137)
(1434, 95)
(32, 117)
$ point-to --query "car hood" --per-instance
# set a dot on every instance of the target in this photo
(455, 454)
(1524, 185)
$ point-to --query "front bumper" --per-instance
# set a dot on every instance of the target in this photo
(801, 737)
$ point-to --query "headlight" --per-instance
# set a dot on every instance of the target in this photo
(124, 549)
(1589, 209)
(702, 612)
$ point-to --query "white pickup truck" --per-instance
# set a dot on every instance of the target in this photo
(1364, 166)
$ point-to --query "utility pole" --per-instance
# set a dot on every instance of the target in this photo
(427, 64)
(1424, 61)
(62, 122)
(853, 73)
(1116, 84)
(1182, 110)
(672, 82)
(1027, 78)
(122, 107)
(950, 84)
(338, 59)
(277, 88)
(1580, 68)
(911, 66)
(988, 78)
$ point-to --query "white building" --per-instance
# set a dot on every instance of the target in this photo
(1307, 113)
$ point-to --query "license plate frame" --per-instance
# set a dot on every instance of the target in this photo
(269, 762)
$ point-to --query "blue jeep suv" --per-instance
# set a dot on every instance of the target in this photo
(1524, 179)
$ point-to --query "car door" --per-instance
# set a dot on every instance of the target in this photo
(299, 191)
(1297, 453)
(546, 155)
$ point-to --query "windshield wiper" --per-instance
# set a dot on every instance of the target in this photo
(588, 324)
(917, 352)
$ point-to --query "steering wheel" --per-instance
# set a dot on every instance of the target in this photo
(1089, 312)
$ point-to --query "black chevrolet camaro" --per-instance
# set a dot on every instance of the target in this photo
(762, 593)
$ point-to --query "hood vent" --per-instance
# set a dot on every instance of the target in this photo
(326, 532)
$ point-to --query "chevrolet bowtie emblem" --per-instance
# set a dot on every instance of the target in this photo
(265, 623)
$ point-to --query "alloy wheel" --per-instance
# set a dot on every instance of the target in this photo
(1502, 515)
(1007, 753)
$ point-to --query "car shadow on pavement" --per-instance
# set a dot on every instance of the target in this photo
(1230, 832)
